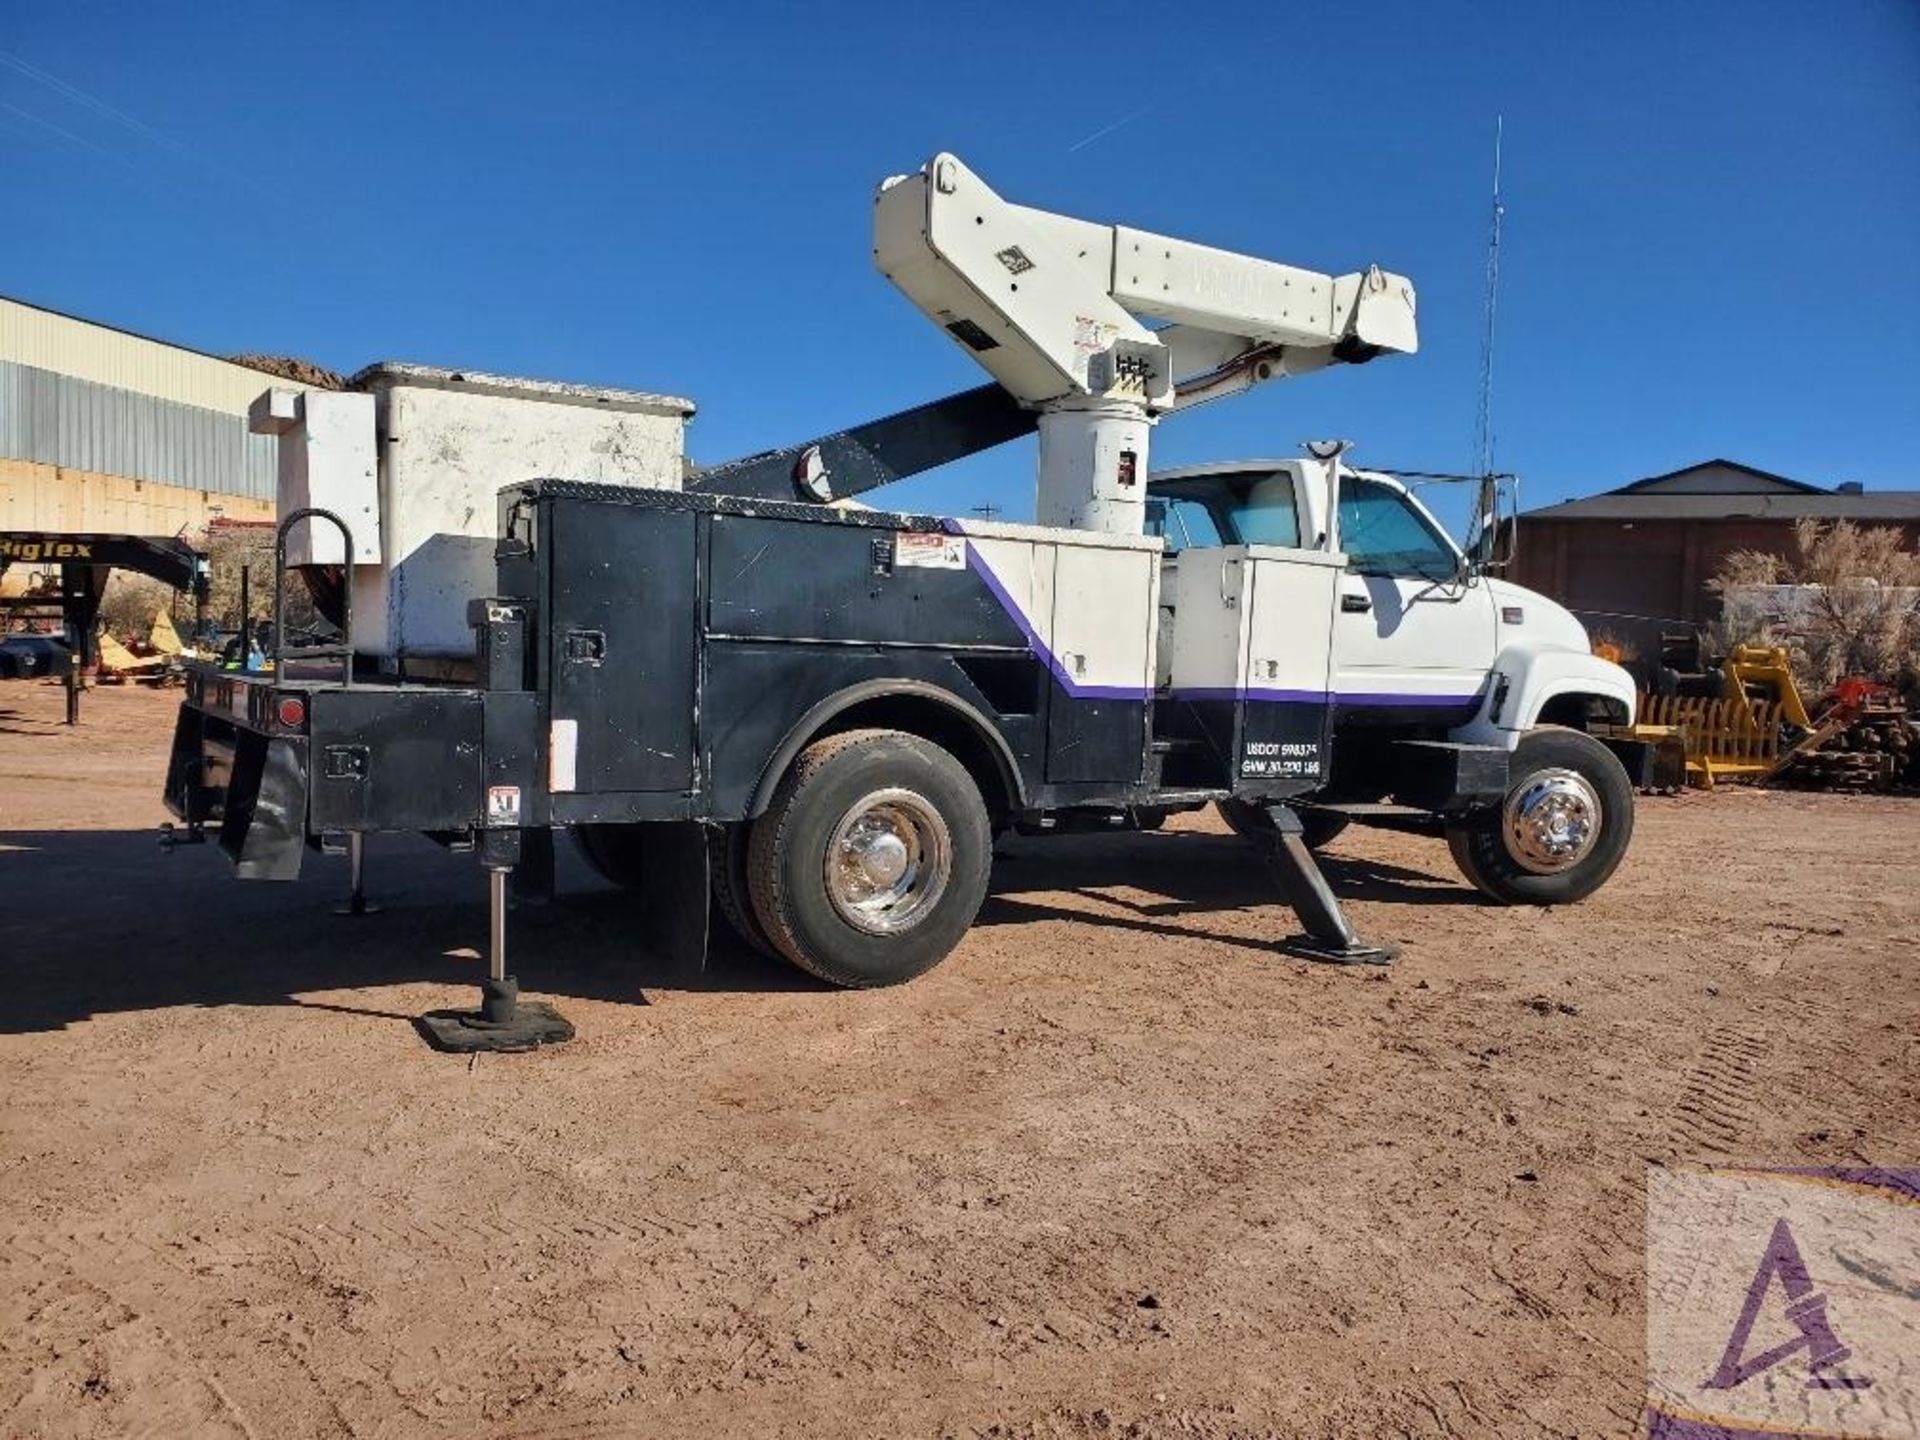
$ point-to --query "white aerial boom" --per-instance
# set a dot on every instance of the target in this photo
(1051, 307)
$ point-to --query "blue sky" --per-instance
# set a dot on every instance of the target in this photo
(1712, 227)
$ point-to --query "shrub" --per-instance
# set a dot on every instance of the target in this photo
(1846, 601)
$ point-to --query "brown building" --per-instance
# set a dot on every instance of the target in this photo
(1645, 552)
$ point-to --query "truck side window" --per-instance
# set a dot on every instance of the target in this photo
(1182, 522)
(1269, 515)
(1384, 535)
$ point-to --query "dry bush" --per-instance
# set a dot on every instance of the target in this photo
(1854, 608)
(1750, 567)
(132, 600)
(229, 552)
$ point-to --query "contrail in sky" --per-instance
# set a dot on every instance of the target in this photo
(62, 132)
(1107, 130)
(86, 100)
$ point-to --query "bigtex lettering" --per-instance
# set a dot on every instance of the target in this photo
(28, 551)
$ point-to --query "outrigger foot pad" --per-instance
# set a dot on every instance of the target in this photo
(503, 1022)
(1328, 939)
(1327, 952)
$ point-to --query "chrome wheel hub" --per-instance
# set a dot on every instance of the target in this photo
(1551, 820)
(888, 862)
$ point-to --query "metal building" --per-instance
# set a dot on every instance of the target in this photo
(1639, 560)
(102, 431)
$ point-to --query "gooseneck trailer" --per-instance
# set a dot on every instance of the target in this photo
(741, 692)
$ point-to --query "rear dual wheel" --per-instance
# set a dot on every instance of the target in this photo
(872, 859)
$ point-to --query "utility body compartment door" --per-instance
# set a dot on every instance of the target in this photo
(1252, 630)
(622, 635)
(1105, 618)
(1283, 731)
(394, 758)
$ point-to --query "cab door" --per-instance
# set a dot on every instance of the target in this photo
(1413, 637)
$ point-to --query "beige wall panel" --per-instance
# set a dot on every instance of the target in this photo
(67, 346)
(47, 497)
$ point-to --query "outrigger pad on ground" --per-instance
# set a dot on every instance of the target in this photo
(465, 1032)
(1327, 953)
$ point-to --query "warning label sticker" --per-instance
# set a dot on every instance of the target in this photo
(1090, 337)
(930, 552)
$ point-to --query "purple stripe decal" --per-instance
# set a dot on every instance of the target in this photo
(1352, 699)
(1073, 687)
(1034, 643)
(1384, 698)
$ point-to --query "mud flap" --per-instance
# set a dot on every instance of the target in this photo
(674, 892)
(264, 831)
(187, 796)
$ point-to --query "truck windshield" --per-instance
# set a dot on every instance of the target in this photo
(1383, 534)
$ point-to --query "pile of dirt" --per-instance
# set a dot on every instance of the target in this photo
(292, 367)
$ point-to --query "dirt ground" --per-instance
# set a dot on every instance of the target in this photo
(1115, 1168)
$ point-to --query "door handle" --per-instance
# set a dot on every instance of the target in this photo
(1355, 604)
(586, 647)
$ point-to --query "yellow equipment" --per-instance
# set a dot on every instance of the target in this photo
(119, 664)
(164, 638)
(1737, 733)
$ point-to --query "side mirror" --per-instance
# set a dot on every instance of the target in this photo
(1496, 510)
(1504, 543)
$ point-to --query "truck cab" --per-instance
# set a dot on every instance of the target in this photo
(1321, 632)
(1421, 635)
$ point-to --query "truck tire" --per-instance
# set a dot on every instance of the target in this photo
(872, 860)
(616, 852)
(1562, 828)
(727, 869)
(1250, 822)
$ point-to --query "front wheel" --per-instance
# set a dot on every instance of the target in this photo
(872, 860)
(1561, 829)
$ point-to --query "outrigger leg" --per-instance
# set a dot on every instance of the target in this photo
(504, 1021)
(356, 902)
(1328, 937)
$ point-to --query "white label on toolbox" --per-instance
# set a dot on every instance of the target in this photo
(930, 552)
(503, 805)
(563, 754)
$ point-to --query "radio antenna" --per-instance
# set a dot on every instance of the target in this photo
(1483, 437)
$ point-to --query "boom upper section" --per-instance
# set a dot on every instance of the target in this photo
(1052, 306)
(1054, 309)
